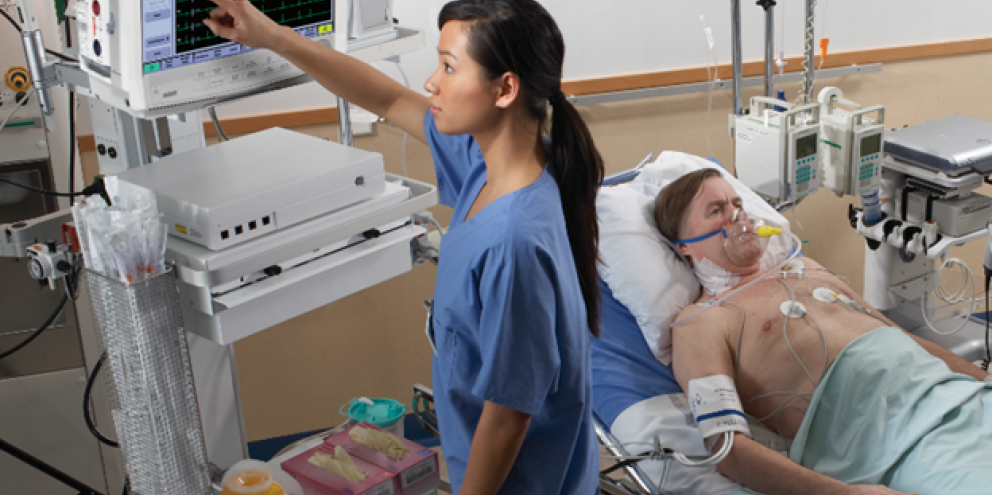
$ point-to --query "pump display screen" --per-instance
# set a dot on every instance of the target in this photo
(173, 33)
(871, 145)
(806, 146)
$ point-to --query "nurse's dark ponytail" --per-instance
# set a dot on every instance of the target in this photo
(519, 36)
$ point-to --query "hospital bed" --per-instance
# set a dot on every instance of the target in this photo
(643, 287)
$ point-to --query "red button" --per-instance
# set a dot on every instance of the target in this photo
(96, 7)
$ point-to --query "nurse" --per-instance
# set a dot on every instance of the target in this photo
(516, 297)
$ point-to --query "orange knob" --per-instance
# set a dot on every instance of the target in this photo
(17, 79)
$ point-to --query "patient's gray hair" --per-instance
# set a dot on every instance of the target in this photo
(672, 204)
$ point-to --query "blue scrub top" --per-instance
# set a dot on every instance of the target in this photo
(510, 326)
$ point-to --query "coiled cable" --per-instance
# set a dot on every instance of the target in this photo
(950, 298)
(806, 89)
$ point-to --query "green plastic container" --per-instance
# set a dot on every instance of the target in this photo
(385, 413)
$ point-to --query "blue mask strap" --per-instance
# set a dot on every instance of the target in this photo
(701, 238)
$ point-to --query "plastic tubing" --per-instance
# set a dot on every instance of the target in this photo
(719, 300)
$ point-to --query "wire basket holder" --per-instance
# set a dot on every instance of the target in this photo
(150, 384)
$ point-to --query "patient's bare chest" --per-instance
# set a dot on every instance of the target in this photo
(781, 358)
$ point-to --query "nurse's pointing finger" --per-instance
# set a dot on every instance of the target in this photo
(221, 22)
(240, 21)
(224, 3)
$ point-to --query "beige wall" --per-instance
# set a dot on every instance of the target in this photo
(295, 376)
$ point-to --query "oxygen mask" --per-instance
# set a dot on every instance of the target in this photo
(745, 237)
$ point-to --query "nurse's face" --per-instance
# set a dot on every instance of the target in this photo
(463, 101)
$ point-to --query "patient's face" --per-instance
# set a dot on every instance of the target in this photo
(712, 209)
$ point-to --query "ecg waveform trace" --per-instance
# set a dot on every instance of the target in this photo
(192, 34)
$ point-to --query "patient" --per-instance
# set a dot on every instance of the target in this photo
(884, 411)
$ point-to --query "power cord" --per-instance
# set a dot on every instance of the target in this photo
(97, 187)
(221, 135)
(86, 405)
(50, 52)
(72, 146)
(40, 329)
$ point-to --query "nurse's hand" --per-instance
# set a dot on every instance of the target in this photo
(241, 22)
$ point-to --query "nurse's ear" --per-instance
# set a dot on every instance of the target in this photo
(507, 88)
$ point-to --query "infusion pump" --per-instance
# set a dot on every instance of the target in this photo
(851, 144)
(776, 153)
(156, 57)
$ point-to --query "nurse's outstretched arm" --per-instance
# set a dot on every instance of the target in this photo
(351, 79)
(495, 446)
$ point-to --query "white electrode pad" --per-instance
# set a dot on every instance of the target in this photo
(794, 266)
(824, 294)
(793, 309)
(716, 406)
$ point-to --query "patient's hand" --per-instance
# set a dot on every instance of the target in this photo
(873, 490)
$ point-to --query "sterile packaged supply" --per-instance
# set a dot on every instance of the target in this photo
(317, 480)
(125, 240)
(416, 468)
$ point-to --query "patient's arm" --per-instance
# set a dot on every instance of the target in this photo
(701, 348)
(766, 471)
(955, 362)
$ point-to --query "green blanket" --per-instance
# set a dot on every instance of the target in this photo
(889, 413)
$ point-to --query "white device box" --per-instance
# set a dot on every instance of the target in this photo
(954, 216)
(775, 154)
(238, 190)
(852, 145)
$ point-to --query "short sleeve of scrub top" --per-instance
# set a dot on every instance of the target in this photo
(452, 165)
(510, 326)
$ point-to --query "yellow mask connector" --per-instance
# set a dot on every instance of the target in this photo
(766, 231)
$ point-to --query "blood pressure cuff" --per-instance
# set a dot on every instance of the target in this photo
(716, 407)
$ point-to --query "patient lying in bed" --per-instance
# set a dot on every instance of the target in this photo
(865, 402)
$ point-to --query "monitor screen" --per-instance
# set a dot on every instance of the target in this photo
(173, 33)
(806, 146)
(871, 145)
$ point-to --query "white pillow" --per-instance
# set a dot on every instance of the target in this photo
(638, 265)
